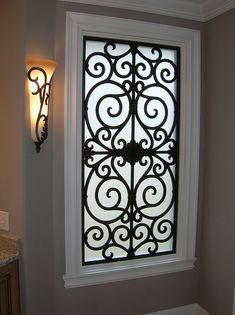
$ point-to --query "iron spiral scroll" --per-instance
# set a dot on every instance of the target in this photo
(130, 149)
(42, 89)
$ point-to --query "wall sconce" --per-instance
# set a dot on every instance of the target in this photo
(40, 73)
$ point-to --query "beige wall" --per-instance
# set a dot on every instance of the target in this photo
(217, 276)
(12, 112)
(4, 111)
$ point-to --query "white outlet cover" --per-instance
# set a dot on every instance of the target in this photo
(4, 221)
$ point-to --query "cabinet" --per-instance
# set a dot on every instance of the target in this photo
(9, 289)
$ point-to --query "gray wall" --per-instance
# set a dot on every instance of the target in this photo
(217, 276)
(128, 297)
(37, 236)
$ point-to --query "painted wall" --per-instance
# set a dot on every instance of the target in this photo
(37, 265)
(217, 274)
(128, 297)
(12, 112)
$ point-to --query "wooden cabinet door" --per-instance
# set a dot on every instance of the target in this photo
(9, 290)
(5, 294)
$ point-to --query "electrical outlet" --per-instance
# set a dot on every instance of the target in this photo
(4, 221)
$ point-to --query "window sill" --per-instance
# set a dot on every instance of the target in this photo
(105, 274)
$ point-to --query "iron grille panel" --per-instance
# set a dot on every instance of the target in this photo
(130, 149)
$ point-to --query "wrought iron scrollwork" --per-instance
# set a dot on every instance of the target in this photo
(130, 149)
(42, 89)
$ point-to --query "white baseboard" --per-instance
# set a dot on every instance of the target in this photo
(200, 310)
(193, 309)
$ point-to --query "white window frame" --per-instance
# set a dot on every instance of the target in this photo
(79, 25)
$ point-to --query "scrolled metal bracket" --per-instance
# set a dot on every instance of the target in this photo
(40, 78)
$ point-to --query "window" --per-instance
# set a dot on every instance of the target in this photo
(131, 149)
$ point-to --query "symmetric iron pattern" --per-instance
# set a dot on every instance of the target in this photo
(130, 149)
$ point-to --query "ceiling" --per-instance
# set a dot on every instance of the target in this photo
(199, 10)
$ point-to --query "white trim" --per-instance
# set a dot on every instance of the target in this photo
(193, 309)
(214, 8)
(124, 271)
(79, 25)
(187, 9)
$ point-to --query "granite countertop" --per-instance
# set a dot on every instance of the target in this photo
(9, 250)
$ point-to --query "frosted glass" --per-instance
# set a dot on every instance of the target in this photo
(130, 150)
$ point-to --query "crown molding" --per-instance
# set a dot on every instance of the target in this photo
(213, 8)
(177, 8)
(198, 10)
